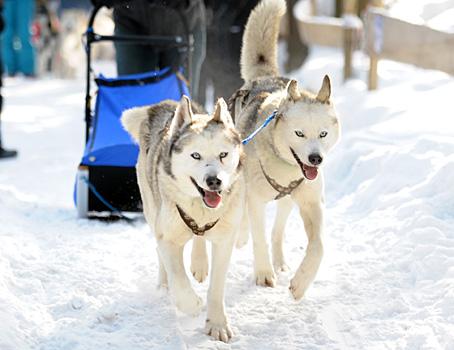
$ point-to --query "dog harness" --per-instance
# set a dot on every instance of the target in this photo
(283, 191)
(190, 222)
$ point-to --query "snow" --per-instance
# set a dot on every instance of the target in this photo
(435, 13)
(387, 278)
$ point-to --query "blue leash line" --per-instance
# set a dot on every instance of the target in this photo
(102, 199)
(260, 128)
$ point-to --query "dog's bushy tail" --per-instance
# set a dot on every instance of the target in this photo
(132, 119)
(259, 51)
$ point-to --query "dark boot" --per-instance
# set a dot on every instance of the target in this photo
(7, 153)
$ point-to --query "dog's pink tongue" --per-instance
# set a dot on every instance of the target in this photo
(212, 199)
(310, 171)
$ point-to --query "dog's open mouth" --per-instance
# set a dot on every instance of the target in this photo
(309, 172)
(212, 199)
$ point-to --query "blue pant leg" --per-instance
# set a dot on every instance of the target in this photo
(9, 55)
(25, 16)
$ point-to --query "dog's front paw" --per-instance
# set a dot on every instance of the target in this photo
(162, 281)
(242, 239)
(199, 269)
(280, 265)
(219, 331)
(298, 285)
(265, 278)
(188, 302)
(163, 286)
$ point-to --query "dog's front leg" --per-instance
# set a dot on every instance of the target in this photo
(217, 324)
(180, 287)
(243, 235)
(162, 276)
(264, 274)
(284, 207)
(312, 214)
(199, 259)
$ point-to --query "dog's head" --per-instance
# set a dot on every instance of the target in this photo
(205, 152)
(306, 127)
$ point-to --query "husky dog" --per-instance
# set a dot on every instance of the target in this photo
(189, 175)
(284, 159)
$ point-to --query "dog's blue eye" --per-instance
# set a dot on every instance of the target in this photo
(323, 134)
(196, 155)
(223, 155)
(299, 133)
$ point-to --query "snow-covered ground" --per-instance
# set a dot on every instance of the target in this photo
(386, 282)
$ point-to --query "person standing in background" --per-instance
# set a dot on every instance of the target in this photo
(17, 47)
(161, 18)
(225, 26)
(4, 153)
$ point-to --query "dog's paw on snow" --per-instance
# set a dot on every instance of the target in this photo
(219, 331)
(280, 265)
(162, 282)
(298, 286)
(188, 302)
(199, 269)
(265, 278)
(164, 287)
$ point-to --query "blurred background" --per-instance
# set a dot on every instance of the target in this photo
(46, 36)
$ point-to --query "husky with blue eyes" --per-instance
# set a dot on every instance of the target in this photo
(285, 159)
(189, 173)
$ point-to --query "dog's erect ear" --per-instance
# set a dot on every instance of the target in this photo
(182, 116)
(325, 91)
(292, 90)
(221, 113)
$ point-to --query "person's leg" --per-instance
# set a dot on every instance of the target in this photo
(297, 51)
(133, 59)
(226, 80)
(198, 54)
(225, 58)
(169, 58)
(203, 84)
(8, 37)
(1, 104)
(4, 153)
(26, 54)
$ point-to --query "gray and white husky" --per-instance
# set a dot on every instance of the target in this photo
(189, 175)
(284, 160)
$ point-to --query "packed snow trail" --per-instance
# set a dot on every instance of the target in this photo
(387, 278)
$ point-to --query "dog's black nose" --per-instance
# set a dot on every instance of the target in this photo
(213, 183)
(315, 159)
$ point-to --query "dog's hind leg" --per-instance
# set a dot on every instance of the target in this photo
(284, 207)
(264, 274)
(162, 277)
(217, 324)
(312, 214)
(199, 259)
(180, 287)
